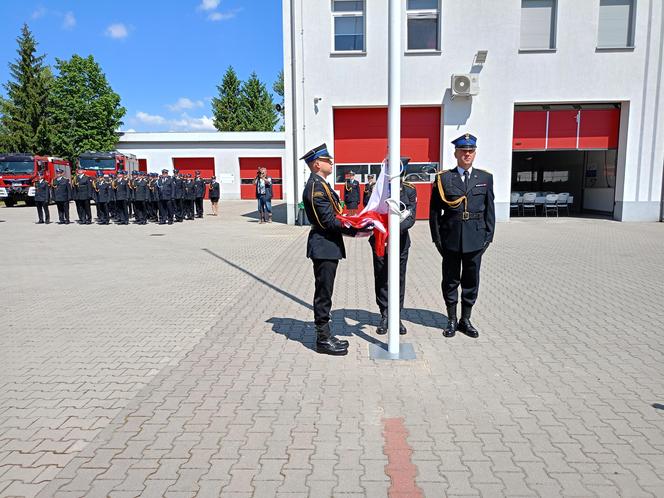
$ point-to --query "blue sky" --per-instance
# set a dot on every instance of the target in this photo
(164, 59)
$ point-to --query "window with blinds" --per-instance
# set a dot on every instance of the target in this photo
(348, 19)
(616, 24)
(538, 24)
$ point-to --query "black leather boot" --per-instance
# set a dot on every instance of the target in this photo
(402, 328)
(326, 343)
(450, 330)
(382, 326)
(464, 324)
(340, 342)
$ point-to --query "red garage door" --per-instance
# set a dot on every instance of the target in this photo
(143, 165)
(360, 143)
(567, 129)
(248, 167)
(189, 165)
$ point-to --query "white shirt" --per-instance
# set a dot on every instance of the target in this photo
(461, 171)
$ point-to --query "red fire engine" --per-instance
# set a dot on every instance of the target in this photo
(18, 171)
(106, 162)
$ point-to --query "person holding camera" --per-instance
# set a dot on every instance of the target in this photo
(263, 184)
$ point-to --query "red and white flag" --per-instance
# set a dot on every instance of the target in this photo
(374, 213)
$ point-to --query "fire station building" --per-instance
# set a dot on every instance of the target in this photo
(564, 96)
(232, 157)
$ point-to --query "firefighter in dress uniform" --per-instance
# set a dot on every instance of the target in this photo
(62, 194)
(42, 198)
(325, 245)
(462, 221)
(408, 197)
(351, 193)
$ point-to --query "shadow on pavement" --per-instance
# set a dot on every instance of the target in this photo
(278, 214)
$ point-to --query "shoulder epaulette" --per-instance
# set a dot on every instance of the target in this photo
(408, 184)
(483, 170)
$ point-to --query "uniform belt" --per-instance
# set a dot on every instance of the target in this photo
(465, 216)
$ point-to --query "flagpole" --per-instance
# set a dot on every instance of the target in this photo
(394, 163)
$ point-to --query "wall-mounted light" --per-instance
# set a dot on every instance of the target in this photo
(480, 57)
(317, 99)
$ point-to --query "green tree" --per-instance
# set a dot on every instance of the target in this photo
(226, 108)
(86, 111)
(278, 88)
(257, 106)
(24, 119)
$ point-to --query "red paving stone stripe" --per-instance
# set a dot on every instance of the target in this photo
(400, 469)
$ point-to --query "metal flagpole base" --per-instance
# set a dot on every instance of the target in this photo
(378, 351)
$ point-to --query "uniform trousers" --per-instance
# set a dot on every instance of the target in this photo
(380, 279)
(84, 211)
(102, 212)
(165, 211)
(63, 211)
(325, 271)
(461, 269)
(123, 213)
(42, 211)
(199, 207)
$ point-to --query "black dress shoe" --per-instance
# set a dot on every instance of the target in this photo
(450, 330)
(340, 342)
(382, 326)
(327, 346)
(39, 223)
(467, 328)
(402, 328)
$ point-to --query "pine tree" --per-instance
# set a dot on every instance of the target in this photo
(257, 106)
(24, 119)
(86, 111)
(226, 107)
(278, 88)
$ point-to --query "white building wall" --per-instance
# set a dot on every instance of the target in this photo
(574, 73)
(159, 149)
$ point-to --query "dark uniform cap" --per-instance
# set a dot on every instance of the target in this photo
(134, 173)
(166, 171)
(317, 153)
(466, 141)
(198, 172)
(174, 170)
(100, 173)
(188, 175)
(59, 170)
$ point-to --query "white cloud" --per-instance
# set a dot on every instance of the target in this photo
(154, 119)
(39, 13)
(184, 103)
(208, 5)
(117, 31)
(184, 123)
(223, 16)
(68, 20)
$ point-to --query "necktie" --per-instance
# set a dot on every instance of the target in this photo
(466, 175)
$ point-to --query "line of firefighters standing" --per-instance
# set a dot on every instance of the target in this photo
(145, 196)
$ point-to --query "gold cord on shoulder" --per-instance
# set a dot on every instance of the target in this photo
(454, 203)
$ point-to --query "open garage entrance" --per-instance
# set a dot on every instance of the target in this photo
(564, 159)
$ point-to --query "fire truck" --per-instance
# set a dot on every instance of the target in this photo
(106, 162)
(18, 171)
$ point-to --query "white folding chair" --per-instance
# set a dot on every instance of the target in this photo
(529, 203)
(551, 204)
(563, 201)
(514, 203)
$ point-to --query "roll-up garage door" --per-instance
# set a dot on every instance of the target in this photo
(360, 143)
(248, 167)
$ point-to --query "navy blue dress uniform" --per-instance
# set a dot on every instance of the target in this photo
(215, 190)
(131, 202)
(199, 191)
(178, 196)
(462, 221)
(325, 247)
(122, 195)
(62, 194)
(189, 197)
(141, 190)
(165, 186)
(82, 190)
(103, 193)
(368, 190)
(112, 207)
(408, 196)
(42, 199)
(153, 204)
(351, 194)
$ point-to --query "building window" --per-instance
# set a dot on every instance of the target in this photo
(616, 24)
(538, 24)
(423, 21)
(348, 18)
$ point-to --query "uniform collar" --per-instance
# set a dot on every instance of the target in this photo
(460, 170)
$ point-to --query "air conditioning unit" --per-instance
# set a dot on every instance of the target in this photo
(465, 85)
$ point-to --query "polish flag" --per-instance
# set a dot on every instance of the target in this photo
(374, 213)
